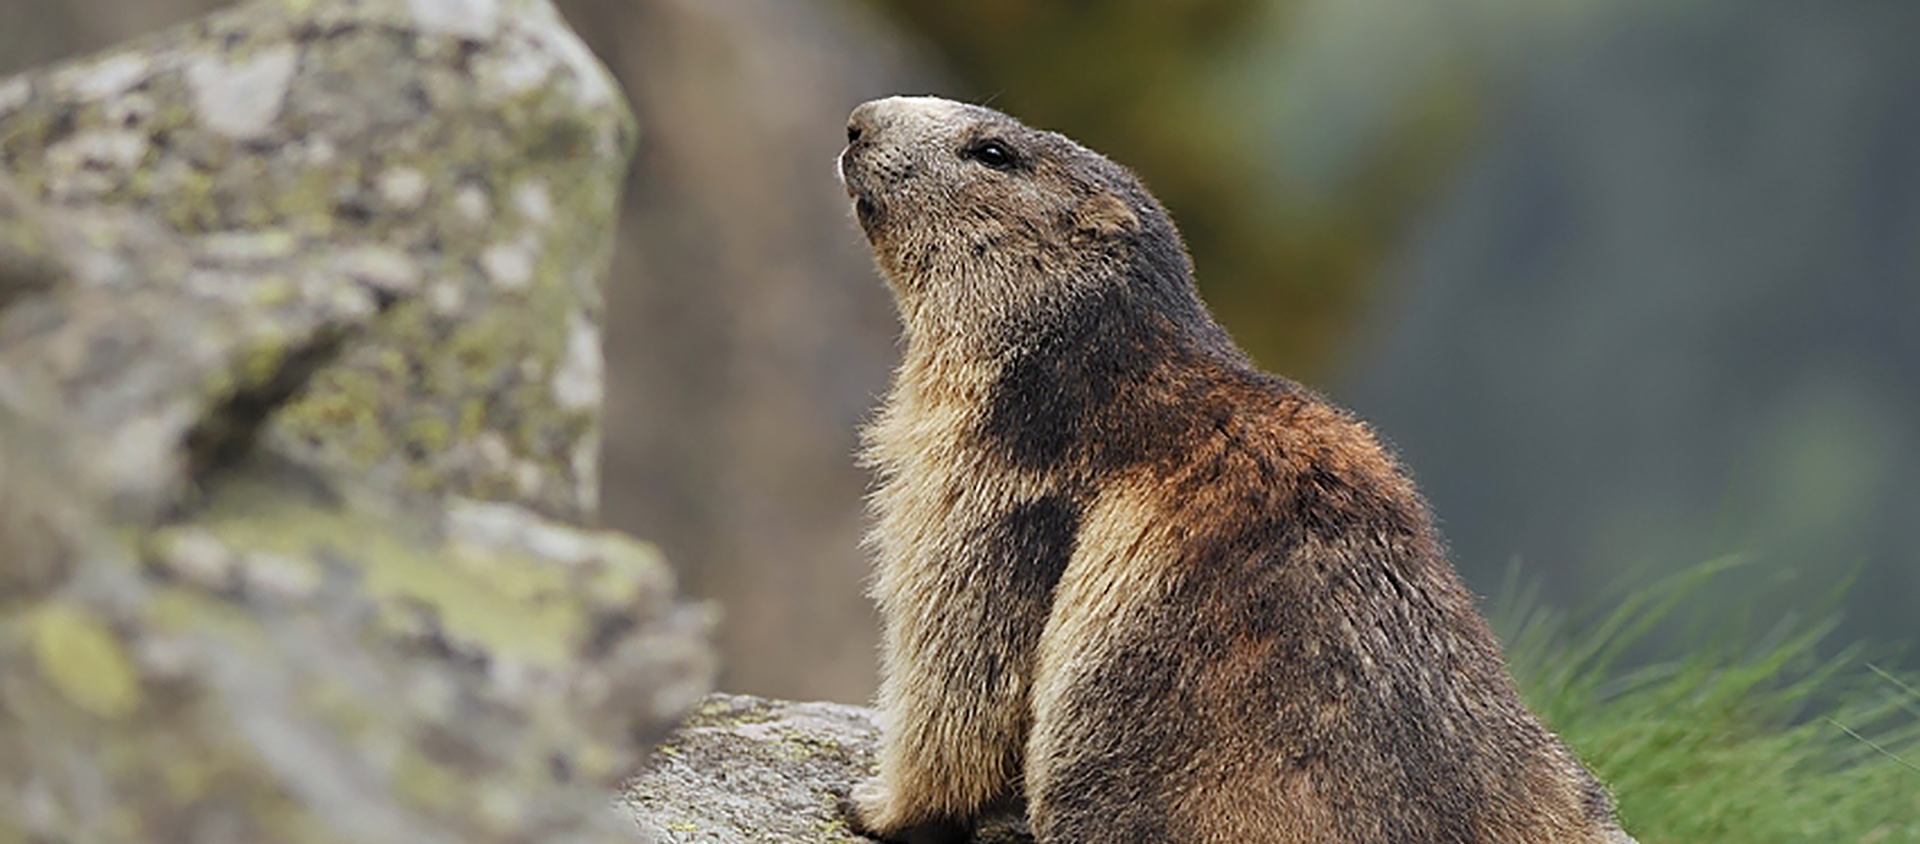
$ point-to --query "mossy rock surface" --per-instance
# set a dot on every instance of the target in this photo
(299, 396)
(460, 158)
(303, 663)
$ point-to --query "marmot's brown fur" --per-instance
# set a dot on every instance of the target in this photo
(1164, 595)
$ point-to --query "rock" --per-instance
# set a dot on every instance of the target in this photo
(299, 378)
(155, 353)
(746, 769)
(303, 663)
(461, 161)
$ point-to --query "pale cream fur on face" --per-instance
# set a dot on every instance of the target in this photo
(937, 208)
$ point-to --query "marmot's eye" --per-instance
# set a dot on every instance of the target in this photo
(993, 154)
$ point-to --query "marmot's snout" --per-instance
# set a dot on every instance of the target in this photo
(884, 139)
(853, 165)
(859, 141)
(864, 126)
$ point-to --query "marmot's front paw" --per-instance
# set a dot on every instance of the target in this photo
(870, 812)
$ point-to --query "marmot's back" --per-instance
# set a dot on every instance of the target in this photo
(1286, 651)
(1170, 597)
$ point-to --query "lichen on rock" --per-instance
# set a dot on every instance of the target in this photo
(303, 663)
(745, 769)
(299, 396)
(467, 153)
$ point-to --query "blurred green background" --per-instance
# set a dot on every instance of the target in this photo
(1630, 285)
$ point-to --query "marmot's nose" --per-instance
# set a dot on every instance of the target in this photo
(864, 123)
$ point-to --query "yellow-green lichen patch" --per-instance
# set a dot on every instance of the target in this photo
(473, 609)
(628, 570)
(273, 292)
(473, 415)
(596, 761)
(189, 203)
(82, 658)
(505, 605)
(426, 783)
(263, 359)
(429, 434)
(722, 712)
(341, 410)
(178, 610)
(351, 714)
(189, 776)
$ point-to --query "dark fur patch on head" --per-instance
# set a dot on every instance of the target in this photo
(1109, 369)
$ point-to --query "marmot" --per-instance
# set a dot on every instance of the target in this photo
(1159, 593)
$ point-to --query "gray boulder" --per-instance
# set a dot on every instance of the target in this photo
(299, 398)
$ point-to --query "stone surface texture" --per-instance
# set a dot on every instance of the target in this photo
(299, 396)
(460, 159)
(745, 769)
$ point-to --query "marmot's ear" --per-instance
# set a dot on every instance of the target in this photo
(1105, 214)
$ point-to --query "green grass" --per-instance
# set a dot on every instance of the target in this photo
(1755, 743)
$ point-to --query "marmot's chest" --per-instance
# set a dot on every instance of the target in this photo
(947, 497)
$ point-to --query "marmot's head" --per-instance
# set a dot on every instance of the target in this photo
(980, 223)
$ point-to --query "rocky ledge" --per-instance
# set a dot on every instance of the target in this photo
(745, 769)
